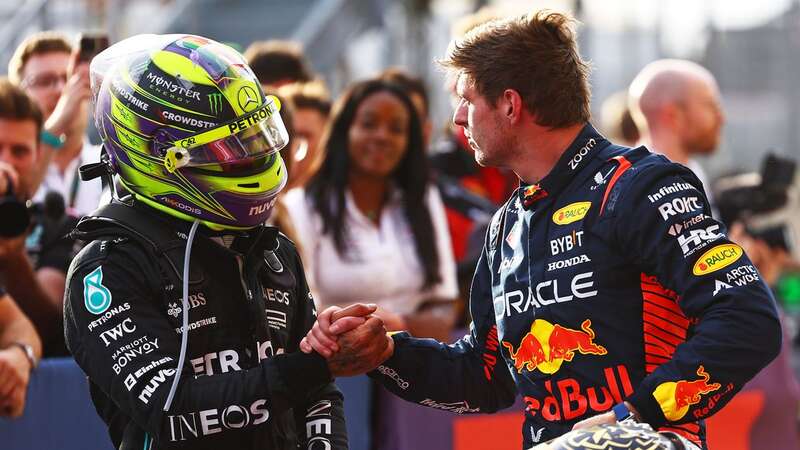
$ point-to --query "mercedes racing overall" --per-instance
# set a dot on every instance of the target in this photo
(607, 281)
(244, 383)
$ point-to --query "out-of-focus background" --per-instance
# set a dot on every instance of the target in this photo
(751, 48)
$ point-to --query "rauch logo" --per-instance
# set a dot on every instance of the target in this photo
(571, 213)
(717, 258)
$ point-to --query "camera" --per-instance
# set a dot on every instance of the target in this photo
(14, 215)
(90, 44)
(767, 203)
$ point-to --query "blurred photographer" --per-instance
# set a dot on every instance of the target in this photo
(763, 213)
(33, 254)
(56, 77)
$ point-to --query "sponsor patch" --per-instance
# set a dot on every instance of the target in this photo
(455, 407)
(543, 294)
(569, 262)
(391, 373)
(695, 240)
(667, 190)
(108, 315)
(117, 331)
(509, 263)
(96, 297)
(717, 258)
(720, 286)
(211, 421)
(566, 243)
(576, 160)
(571, 213)
(276, 319)
(677, 228)
(680, 205)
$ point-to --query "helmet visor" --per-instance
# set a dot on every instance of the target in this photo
(249, 138)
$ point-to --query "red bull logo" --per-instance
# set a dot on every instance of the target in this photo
(675, 397)
(533, 194)
(570, 398)
(547, 346)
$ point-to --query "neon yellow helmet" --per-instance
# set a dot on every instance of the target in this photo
(188, 130)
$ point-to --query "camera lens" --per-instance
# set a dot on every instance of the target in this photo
(14, 218)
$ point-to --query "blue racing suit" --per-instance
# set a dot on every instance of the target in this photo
(607, 281)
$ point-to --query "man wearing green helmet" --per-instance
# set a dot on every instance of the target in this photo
(184, 310)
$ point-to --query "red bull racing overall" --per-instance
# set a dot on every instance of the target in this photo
(607, 281)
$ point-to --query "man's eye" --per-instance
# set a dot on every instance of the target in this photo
(19, 152)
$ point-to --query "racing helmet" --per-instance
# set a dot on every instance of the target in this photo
(188, 130)
(622, 435)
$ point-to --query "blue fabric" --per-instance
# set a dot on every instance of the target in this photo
(58, 413)
(357, 393)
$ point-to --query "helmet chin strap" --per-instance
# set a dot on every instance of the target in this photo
(185, 316)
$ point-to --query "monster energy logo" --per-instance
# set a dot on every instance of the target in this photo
(215, 102)
(96, 297)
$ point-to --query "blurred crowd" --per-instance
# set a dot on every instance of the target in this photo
(380, 211)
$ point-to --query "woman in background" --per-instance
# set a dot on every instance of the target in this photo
(371, 225)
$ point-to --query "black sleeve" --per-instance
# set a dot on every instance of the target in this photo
(120, 337)
(322, 414)
(57, 247)
(663, 224)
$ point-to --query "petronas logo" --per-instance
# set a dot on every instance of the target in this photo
(96, 297)
(215, 102)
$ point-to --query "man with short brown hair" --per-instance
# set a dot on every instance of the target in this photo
(20, 346)
(277, 63)
(605, 290)
(45, 66)
(538, 58)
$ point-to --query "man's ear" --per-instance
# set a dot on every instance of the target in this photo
(672, 114)
(511, 105)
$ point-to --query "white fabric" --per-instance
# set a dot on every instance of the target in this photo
(383, 266)
(698, 170)
(87, 194)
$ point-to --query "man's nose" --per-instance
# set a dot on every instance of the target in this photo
(460, 114)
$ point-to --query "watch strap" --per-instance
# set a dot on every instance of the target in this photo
(28, 351)
(622, 412)
(52, 140)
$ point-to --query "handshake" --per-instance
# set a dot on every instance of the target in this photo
(351, 339)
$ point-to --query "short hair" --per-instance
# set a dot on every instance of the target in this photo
(411, 84)
(15, 104)
(537, 56)
(277, 61)
(308, 95)
(36, 44)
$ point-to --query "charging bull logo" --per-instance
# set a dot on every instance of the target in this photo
(675, 398)
(547, 346)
